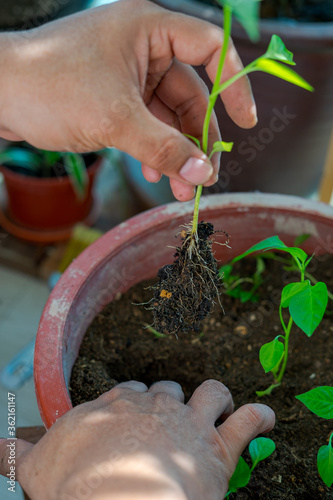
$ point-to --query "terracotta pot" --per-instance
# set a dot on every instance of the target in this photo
(285, 152)
(134, 251)
(46, 204)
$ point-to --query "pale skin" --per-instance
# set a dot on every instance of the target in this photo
(135, 443)
(119, 76)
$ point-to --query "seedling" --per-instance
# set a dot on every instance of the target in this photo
(306, 304)
(193, 280)
(39, 163)
(320, 402)
(259, 448)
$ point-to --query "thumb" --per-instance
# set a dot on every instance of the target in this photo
(164, 149)
(11, 451)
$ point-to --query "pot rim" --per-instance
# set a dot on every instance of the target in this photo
(49, 341)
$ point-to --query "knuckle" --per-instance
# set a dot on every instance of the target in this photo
(253, 415)
(216, 387)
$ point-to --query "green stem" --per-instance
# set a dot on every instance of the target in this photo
(227, 16)
(286, 348)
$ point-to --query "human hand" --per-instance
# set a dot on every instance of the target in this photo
(134, 442)
(119, 76)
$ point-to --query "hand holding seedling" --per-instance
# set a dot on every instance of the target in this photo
(118, 76)
(139, 443)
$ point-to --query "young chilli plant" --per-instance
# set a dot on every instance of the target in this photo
(306, 304)
(189, 287)
(320, 401)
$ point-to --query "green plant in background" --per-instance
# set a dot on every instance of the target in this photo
(320, 401)
(246, 12)
(39, 163)
(306, 304)
(259, 449)
(233, 283)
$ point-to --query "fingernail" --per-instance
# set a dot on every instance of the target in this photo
(196, 171)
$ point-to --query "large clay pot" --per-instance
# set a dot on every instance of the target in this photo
(285, 152)
(134, 251)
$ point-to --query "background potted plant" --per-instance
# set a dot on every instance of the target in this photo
(47, 192)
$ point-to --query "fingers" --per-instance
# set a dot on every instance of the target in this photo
(244, 425)
(163, 148)
(196, 42)
(168, 387)
(11, 450)
(182, 191)
(211, 400)
(183, 91)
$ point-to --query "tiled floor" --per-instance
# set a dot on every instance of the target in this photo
(22, 299)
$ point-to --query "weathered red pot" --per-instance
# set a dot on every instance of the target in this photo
(134, 251)
(45, 204)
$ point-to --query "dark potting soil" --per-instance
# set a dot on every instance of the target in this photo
(117, 347)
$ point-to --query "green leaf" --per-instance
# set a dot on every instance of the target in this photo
(20, 157)
(260, 448)
(272, 243)
(297, 253)
(281, 71)
(194, 139)
(225, 271)
(325, 463)
(241, 476)
(278, 51)
(77, 172)
(292, 289)
(51, 157)
(247, 14)
(319, 400)
(308, 307)
(157, 334)
(220, 146)
(270, 354)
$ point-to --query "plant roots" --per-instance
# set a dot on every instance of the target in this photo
(188, 288)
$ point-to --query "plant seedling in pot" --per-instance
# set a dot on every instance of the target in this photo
(189, 287)
(306, 304)
(259, 449)
(320, 401)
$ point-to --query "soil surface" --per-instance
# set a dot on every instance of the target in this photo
(117, 347)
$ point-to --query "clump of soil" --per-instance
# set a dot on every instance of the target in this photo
(117, 348)
(188, 288)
